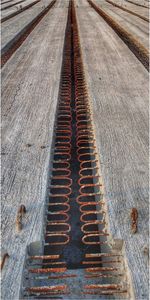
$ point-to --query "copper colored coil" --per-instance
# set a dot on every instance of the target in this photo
(47, 288)
(63, 126)
(88, 162)
(63, 133)
(64, 117)
(55, 224)
(84, 196)
(47, 270)
(85, 135)
(60, 197)
(96, 213)
(86, 143)
(90, 170)
(81, 102)
(83, 118)
(61, 172)
(100, 262)
(65, 95)
(84, 139)
(82, 109)
(65, 113)
(58, 179)
(103, 275)
(82, 113)
(59, 205)
(65, 79)
(105, 292)
(78, 94)
(83, 188)
(86, 157)
(58, 187)
(65, 85)
(63, 139)
(62, 235)
(62, 164)
(85, 206)
(65, 215)
(88, 149)
(55, 277)
(64, 110)
(104, 286)
(88, 178)
(63, 123)
(102, 269)
(94, 235)
(63, 148)
(62, 156)
(44, 257)
(54, 263)
(84, 124)
(85, 131)
(111, 254)
(97, 222)
(66, 132)
(54, 294)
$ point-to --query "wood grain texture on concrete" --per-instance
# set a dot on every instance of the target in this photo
(19, 8)
(12, 3)
(30, 83)
(134, 25)
(12, 27)
(140, 10)
(118, 87)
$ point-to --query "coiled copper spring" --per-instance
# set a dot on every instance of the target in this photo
(89, 199)
(57, 226)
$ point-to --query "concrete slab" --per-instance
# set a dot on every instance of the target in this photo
(138, 9)
(16, 8)
(11, 28)
(134, 25)
(30, 83)
(118, 87)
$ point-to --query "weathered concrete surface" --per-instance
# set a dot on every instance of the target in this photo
(13, 26)
(138, 27)
(7, 4)
(140, 2)
(30, 82)
(16, 8)
(118, 86)
(143, 11)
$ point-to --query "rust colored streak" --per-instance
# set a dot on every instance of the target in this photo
(134, 220)
(48, 270)
(103, 286)
(91, 255)
(44, 257)
(105, 292)
(100, 262)
(44, 289)
(102, 269)
(3, 259)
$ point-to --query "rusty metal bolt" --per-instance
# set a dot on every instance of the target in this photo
(22, 209)
(146, 251)
(20, 214)
(3, 258)
(134, 219)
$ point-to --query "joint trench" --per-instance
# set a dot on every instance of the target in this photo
(76, 243)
